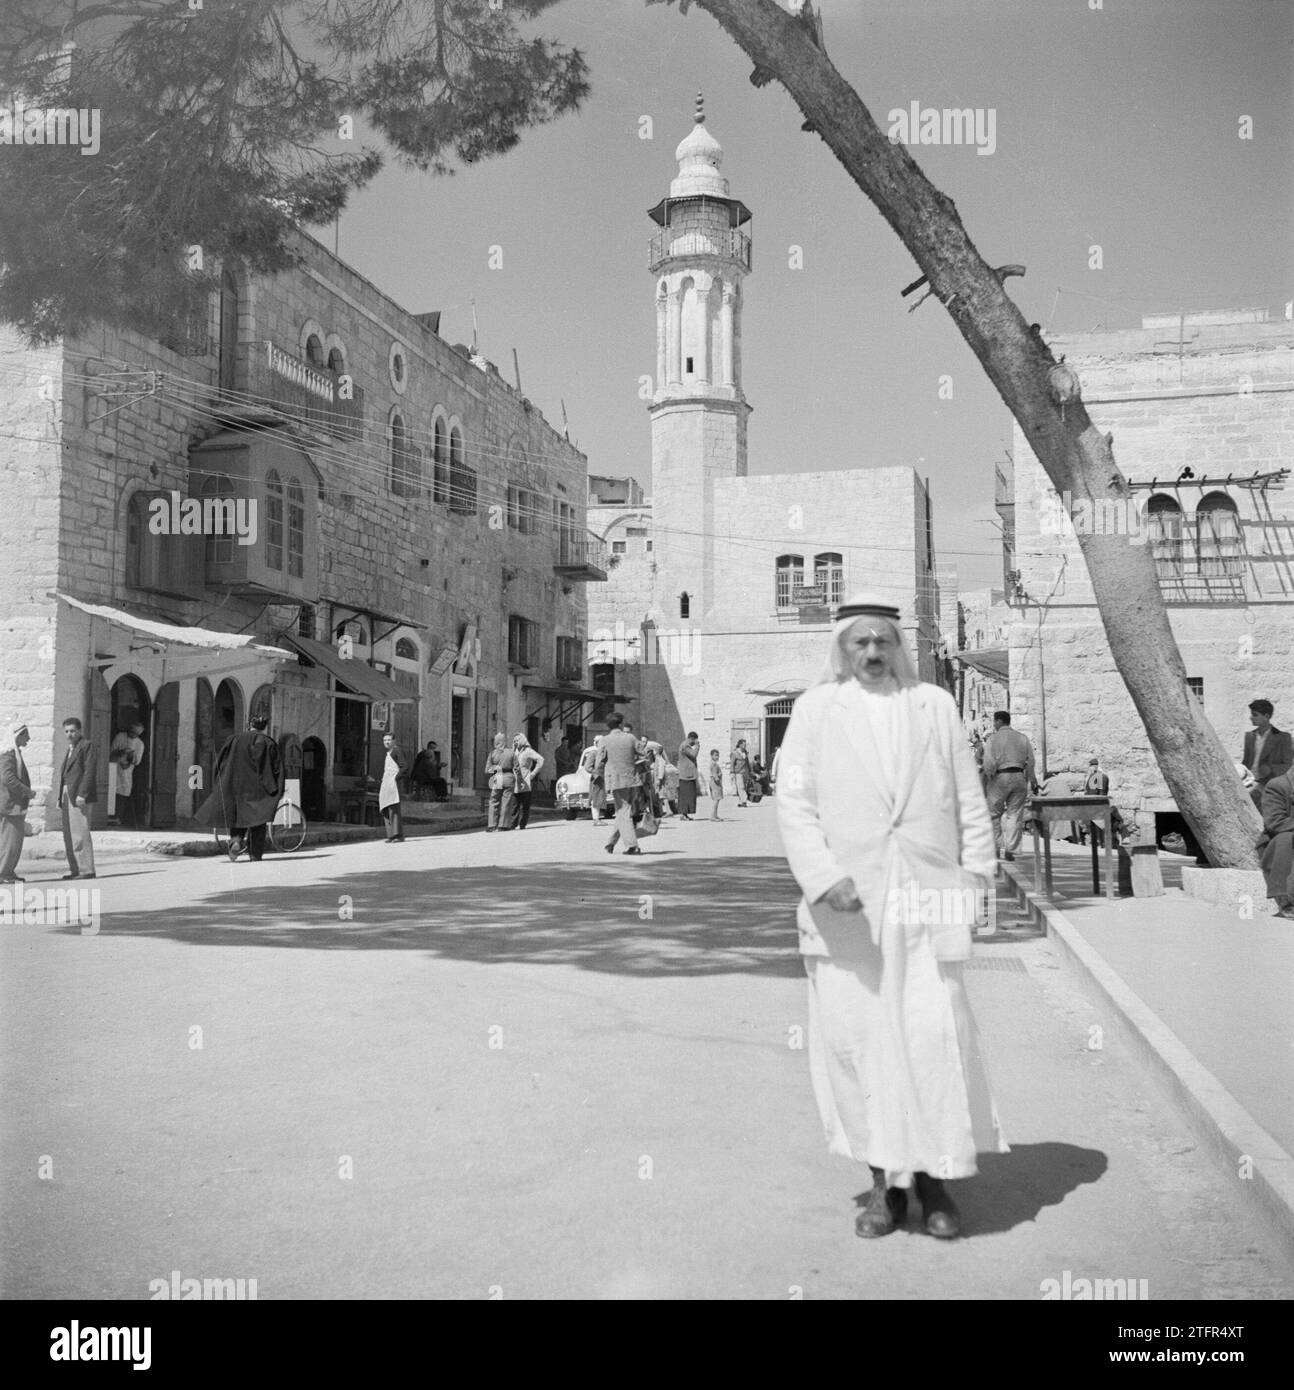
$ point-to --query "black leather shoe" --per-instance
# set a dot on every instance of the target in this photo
(942, 1219)
(635, 850)
(886, 1209)
(66, 876)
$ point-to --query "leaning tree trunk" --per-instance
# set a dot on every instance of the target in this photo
(1076, 455)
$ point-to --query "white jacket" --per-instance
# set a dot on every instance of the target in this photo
(912, 856)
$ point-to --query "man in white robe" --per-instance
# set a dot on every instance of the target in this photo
(888, 834)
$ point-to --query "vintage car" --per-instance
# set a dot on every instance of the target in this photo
(573, 793)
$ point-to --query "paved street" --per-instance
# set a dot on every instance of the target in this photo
(508, 1061)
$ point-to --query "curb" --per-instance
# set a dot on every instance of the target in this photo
(1225, 1128)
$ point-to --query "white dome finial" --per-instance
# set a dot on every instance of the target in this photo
(699, 157)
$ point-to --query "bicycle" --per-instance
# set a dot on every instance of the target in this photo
(286, 831)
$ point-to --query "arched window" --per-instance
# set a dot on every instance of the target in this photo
(685, 605)
(337, 361)
(1217, 521)
(404, 460)
(406, 649)
(462, 479)
(262, 703)
(314, 351)
(790, 576)
(829, 574)
(136, 531)
(1164, 531)
(440, 460)
(296, 529)
(273, 520)
(220, 549)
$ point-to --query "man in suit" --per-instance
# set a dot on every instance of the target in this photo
(15, 797)
(1008, 774)
(78, 790)
(617, 761)
(1268, 750)
(1277, 843)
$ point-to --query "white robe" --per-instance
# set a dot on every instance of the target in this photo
(883, 789)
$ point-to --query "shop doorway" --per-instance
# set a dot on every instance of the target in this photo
(129, 705)
(227, 713)
(777, 715)
(457, 737)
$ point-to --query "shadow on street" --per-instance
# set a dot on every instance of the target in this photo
(708, 916)
(1015, 1188)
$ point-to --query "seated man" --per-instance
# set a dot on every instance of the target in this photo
(1277, 843)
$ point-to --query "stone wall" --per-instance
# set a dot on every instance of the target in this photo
(1224, 407)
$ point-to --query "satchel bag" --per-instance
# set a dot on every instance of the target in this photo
(648, 826)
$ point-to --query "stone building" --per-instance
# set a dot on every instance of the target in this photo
(1201, 407)
(984, 623)
(415, 563)
(723, 583)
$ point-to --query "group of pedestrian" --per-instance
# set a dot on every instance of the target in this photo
(510, 772)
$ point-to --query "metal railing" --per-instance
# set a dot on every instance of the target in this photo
(573, 551)
(729, 242)
(317, 396)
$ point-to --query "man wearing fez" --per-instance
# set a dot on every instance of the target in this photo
(1269, 751)
(15, 797)
(887, 833)
(247, 787)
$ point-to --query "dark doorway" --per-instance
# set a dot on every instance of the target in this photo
(204, 741)
(166, 747)
(457, 719)
(314, 791)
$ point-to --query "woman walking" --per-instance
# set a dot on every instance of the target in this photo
(388, 796)
(597, 783)
(688, 773)
(888, 834)
(741, 771)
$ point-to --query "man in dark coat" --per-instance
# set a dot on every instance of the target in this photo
(1277, 844)
(1268, 751)
(247, 788)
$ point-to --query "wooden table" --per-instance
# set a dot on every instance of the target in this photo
(1084, 809)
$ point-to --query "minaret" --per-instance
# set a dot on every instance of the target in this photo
(699, 258)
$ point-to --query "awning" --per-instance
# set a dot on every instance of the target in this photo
(994, 662)
(160, 652)
(359, 678)
(562, 701)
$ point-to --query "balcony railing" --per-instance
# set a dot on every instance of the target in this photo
(581, 557)
(729, 242)
(309, 394)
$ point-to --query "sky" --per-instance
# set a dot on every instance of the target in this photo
(1116, 126)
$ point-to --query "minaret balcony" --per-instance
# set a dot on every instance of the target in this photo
(726, 243)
